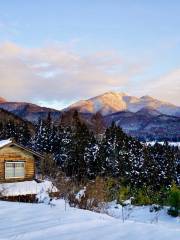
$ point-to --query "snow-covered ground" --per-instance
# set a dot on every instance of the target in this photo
(23, 221)
(176, 144)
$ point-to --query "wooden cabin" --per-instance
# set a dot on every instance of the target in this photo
(17, 163)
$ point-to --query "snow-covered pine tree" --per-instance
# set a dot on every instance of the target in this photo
(135, 162)
(160, 166)
(168, 166)
(9, 130)
(90, 156)
(23, 134)
(108, 158)
(63, 148)
(44, 138)
(149, 171)
(76, 163)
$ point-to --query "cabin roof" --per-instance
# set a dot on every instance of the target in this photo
(11, 142)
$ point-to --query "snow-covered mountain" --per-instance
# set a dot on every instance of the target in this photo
(2, 100)
(143, 117)
(111, 102)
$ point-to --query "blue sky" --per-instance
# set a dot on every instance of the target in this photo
(143, 35)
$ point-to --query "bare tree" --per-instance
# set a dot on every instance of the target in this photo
(48, 167)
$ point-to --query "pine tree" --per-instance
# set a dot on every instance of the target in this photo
(136, 161)
(9, 130)
(44, 138)
(76, 163)
(98, 123)
(160, 166)
(109, 156)
(63, 148)
(90, 156)
(23, 135)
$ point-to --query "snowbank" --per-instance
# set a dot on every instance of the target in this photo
(39, 221)
(26, 187)
(141, 214)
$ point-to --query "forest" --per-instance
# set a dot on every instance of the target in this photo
(116, 164)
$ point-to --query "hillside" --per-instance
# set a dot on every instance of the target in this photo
(147, 124)
(6, 116)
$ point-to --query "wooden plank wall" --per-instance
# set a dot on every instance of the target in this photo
(13, 153)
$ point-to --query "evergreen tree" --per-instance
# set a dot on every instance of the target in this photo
(76, 164)
(9, 130)
(23, 135)
(90, 156)
(98, 123)
(63, 149)
(44, 138)
(109, 153)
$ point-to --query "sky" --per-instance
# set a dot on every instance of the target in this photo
(56, 52)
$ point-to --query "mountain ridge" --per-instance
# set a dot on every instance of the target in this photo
(111, 102)
(150, 118)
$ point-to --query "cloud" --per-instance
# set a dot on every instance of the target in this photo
(57, 73)
(166, 87)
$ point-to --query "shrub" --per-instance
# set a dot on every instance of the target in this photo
(94, 196)
(174, 200)
(173, 212)
(142, 198)
(124, 193)
(96, 193)
(112, 187)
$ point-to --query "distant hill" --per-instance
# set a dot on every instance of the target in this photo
(147, 124)
(6, 116)
(29, 111)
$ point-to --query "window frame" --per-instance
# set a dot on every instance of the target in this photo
(14, 162)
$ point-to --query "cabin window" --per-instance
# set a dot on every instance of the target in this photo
(14, 169)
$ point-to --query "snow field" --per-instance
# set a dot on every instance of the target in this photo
(22, 221)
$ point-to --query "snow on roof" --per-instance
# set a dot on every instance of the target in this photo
(5, 142)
